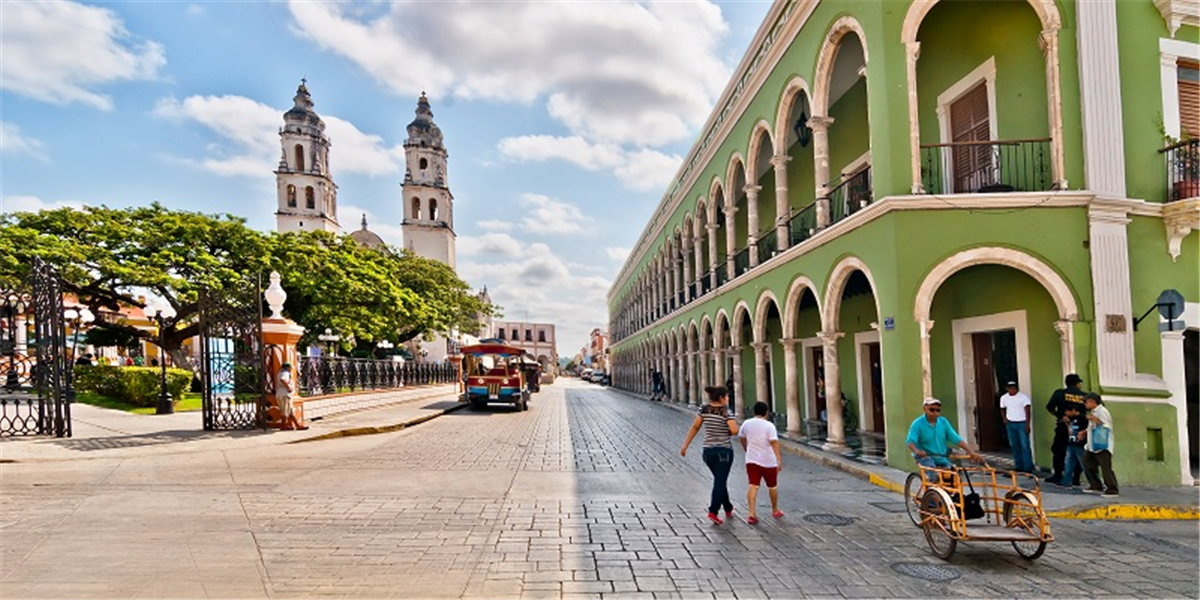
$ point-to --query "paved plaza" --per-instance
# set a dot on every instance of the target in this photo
(583, 496)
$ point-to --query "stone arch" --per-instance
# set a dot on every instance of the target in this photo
(714, 188)
(819, 100)
(1054, 284)
(787, 102)
(1046, 11)
(761, 129)
(836, 284)
(720, 327)
(736, 163)
(741, 312)
(761, 310)
(792, 303)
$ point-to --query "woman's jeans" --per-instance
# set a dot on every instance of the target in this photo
(719, 461)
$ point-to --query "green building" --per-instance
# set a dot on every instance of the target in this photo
(896, 200)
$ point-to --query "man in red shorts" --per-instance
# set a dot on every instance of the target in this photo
(763, 460)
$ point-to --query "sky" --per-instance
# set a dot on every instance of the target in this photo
(564, 121)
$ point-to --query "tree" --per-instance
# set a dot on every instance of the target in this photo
(111, 258)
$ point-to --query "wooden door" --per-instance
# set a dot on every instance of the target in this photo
(969, 122)
(876, 387)
(986, 402)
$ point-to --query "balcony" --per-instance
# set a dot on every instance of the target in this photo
(850, 196)
(722, 275)
(1183, 170)
(803, 225)
(741, 262)
(768, 245)
(991, 166)
(706, 283)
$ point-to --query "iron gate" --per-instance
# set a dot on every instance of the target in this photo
(232, 356)
(35, 397)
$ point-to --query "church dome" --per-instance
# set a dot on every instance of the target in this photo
(423, 131)
(302, 110)
(367, 238)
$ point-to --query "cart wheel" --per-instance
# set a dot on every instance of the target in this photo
(1021, 512)
(912, 487)
(936, 504)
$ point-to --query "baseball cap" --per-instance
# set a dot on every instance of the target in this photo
(1073, 379)
(1011, 384)
(929, 401)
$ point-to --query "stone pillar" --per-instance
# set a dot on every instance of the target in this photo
(1174, 371)
(678, 394)
(752, 221)
(705, 359)
(1109, 251)
(836, 435)
(1100, 97)
(280, 336)
(687, 265)
(689, 371)
(712, 253)
(760, 371)
(912, 51)
(719, 366)
(923, 329)
(698, 241)
(1066, 340)
(21, 335)
(782, 208)
(820, 128)
(791, 386)
(730, 239)
(739, 392)
(1049, 43)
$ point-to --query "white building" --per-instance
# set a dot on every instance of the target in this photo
(537, 339)
(307, 196)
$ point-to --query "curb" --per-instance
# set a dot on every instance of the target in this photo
(354, 431)
(1111, 512)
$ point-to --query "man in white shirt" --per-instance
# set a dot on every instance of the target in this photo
(1017, 412)
(763, 460)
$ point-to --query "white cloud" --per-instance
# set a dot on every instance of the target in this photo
(250, 140)
(15, 204)
(641, 170)
(490, 244)
(648, 170)
(494, 225)
(13, 142)
(547, 215)
(60, 52)
(614, 72)
(617, 253)
(194, 10)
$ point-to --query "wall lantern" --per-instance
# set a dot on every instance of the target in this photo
(803, 131)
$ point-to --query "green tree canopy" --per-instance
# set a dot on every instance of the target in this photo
(112, 258)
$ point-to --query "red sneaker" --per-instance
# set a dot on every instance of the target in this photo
(714, 518)
(752, 520)
(777, 514)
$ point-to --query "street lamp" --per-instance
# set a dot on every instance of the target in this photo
(160, 315)
(329, 337)
(424, 353)
(386, 346)
(78, 319)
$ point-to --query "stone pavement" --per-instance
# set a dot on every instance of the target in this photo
(583, 496)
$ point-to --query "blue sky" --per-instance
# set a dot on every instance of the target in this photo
(564, 121)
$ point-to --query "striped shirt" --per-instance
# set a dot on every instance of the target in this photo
(716, 426)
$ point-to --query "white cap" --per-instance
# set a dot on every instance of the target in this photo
(929, 401)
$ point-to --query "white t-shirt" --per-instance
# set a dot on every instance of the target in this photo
(1014, 406)
(759, 433)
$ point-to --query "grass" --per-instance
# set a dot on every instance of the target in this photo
(190, 402)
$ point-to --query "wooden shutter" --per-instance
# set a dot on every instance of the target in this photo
(1189, 100)
(969, 122)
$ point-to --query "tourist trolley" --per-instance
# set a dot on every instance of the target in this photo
(493, 372)
(977, 504)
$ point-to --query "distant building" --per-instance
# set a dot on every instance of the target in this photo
(537, 339)
(307, 196)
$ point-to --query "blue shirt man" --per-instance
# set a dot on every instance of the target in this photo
(931, 436)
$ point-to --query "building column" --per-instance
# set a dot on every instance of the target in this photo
(1175, 370)
(684, 257)
(1109, 251)
(752, 222)
(835, 436)
(791, 386)
(20, 335)
(730, 239)
(782, 208)
(705, 359)
(698, 242)
(712, 253)
(820, 129)
(1049, 43)
(719, 366)
(739, 393)
(690, 369)
(912, 51)
(760, 371)
(1100, 80)
(924, 327)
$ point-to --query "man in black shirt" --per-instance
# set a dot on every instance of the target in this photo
(1057, 406)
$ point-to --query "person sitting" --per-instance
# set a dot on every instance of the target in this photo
(931, 436)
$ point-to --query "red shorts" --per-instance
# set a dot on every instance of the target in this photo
(759, 472)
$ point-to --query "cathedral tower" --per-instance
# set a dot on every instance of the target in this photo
(306, 192)
(428, 224)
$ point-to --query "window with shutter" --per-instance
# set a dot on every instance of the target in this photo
(1189, 99)
(969, 122)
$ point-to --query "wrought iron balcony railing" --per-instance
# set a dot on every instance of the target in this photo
(991, 166)
(1183, 169)
(722, 274)
(706, 283)
(850, 196)
(768, 244)
(323, 375)
(741, 262)
(803, 224)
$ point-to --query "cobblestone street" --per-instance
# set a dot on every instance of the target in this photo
(583, 496)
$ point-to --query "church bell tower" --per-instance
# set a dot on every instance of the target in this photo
(306, 192)
(428, 224)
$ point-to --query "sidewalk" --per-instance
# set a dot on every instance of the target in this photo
(1180, 502)
(106, 433)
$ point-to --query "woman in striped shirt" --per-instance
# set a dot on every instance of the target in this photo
(719, 426)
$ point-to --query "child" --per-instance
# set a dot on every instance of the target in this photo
(1076, 438)
(763, 461)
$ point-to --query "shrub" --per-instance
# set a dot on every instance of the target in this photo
(138, 386)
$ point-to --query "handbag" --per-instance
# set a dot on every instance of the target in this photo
(972, 505)
(1100, 438)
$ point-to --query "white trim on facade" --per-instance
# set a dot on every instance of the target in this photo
(964, 375)
(1170, 51)
(1175, 374)
(1100, 97)
(866, 418)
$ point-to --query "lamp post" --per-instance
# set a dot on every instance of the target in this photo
(78, 319)
(424, 354)
(160, 315)
(330, 338)
(386, 346)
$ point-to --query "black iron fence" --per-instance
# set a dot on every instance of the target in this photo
(35, 375)
(850, 196)
(768, 244)
(324, 375)
(741, 262)
(803, 224)
(992, 166)
(706, 283)
(1183, 169)
(722, 274)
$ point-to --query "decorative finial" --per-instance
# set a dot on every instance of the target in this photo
(364, 221)
(275, 296)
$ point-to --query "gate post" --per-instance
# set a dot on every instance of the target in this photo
(280, 336)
